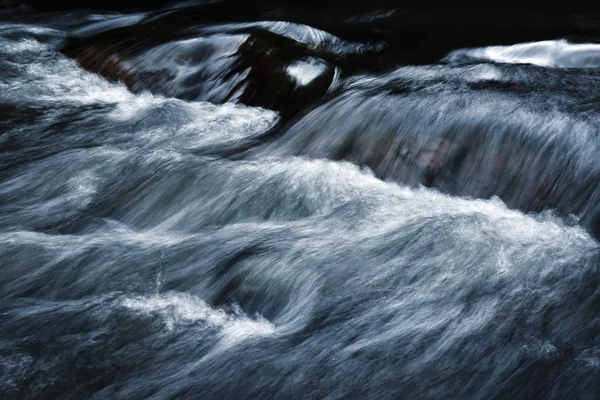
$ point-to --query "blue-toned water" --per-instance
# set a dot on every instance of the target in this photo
(423, 232)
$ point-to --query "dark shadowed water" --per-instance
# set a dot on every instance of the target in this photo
(197, 203)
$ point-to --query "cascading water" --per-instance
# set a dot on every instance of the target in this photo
(247, 206)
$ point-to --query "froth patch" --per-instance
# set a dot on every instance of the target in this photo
(24, 45)
(179, 309)
(304, 72)
(55, 80)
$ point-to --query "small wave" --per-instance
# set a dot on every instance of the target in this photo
(182, 309)
(549, 53)
(53, 79)
(24, 45)
(304, 34)
(7, 28)
(137, 261)
(104, 23)
(461, 130)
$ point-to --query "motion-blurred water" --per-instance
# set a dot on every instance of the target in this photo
(420, 232)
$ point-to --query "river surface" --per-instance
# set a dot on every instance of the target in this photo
(283, 203)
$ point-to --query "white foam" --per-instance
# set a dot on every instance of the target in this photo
(197, 124)
(549, 53)
(57, 80)
(304, 72)
(331, 183)
(23, 45)
(63, 81)
(181, 309)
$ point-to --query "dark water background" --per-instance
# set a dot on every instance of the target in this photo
(229, 199)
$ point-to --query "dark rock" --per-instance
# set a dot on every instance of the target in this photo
(258, 69)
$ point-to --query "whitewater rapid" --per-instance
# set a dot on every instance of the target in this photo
(139, 262)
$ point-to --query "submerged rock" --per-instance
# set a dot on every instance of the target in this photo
(258, 69)
(459, 129)
(467, 128)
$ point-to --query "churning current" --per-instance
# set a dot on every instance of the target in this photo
(244, 209)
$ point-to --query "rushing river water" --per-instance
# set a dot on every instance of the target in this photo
(199, 206)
